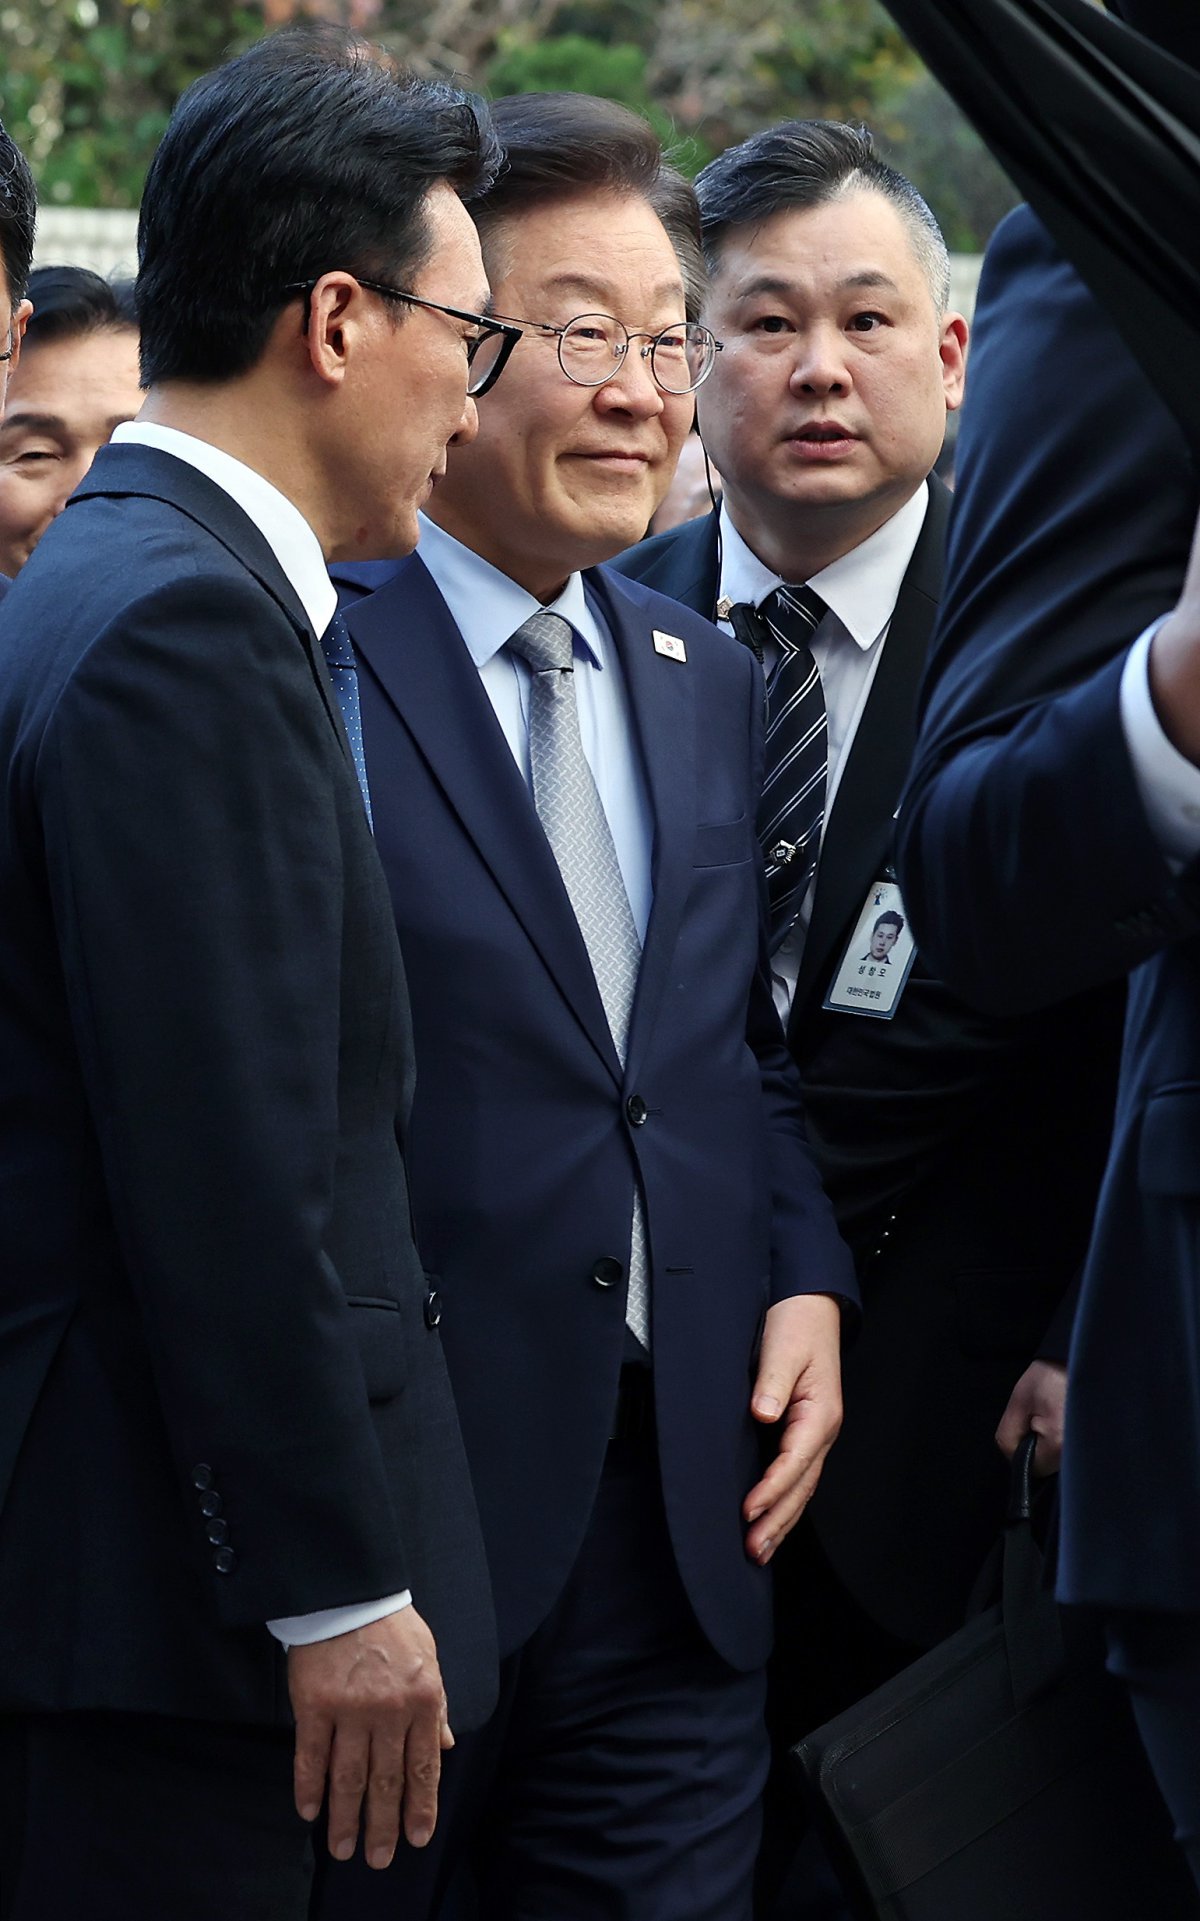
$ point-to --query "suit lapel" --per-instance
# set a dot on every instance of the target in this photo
(408, 640)
(661, 694)
(858, 835)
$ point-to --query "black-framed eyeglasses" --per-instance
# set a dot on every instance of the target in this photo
(488, 347)
(593, 346)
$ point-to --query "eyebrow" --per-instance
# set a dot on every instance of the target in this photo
(18, 420)
(771, 283)
(590, 289)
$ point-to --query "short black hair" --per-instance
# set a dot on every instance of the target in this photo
(559, 144)
(807, 163)
(306, 153)
(70, 301)
(18, 214)
(890, 918)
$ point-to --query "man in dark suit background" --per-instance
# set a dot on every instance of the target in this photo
(18, 212)
(635, 1260)
(1058, 756)
(226, 1427)
(962, 1154)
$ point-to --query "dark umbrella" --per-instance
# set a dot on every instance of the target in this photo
(1100, 129)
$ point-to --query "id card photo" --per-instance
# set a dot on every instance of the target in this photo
(877, 962)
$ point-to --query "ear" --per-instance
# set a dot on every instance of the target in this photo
(20, 320)
(952, 348)
(335, 318)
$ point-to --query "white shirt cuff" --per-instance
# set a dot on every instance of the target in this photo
(301, 1630)
(1169, 783)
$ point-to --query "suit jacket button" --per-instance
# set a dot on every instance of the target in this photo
(210, 1504)
(433, 1308)
(202, 1477)
(608, 1273)
(636, 1110)
(218, 1532)
(224, 1560)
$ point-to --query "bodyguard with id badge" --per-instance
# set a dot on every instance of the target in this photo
(878, 957)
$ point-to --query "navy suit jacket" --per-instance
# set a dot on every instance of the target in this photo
(1032, 872)
(526, 1137)
(221, 1401)
(962, 1154)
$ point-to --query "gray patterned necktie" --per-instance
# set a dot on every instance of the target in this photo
(575, 824)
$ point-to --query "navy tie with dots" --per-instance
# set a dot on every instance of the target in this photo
(339, 658)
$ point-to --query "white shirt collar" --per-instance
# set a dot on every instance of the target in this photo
(489, 606)
(279, 521)
(861, 587)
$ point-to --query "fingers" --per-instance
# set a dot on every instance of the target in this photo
(423, 1768)
(385, 1789)
(348, 1773)
(775, 1505)
(314, 1736)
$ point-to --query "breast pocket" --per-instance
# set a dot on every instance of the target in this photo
(382, 1349)
(1169, 1143)
(724, 843)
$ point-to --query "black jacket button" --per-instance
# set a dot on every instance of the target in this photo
(210, 1504)
(608, 1273)
(218, 1532)
(224, 1560)
(202, 1477)
(636, 1110)
(433, 1308)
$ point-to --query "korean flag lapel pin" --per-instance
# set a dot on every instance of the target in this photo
(669, 644)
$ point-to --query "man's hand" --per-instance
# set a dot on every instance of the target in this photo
(1175, 666)
(800, 1384)
(1038, 1401)
(371, 1723)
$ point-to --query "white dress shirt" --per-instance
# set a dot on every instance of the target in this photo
(860, 591)
(1168, 782)
(488, 607)
(299, 554)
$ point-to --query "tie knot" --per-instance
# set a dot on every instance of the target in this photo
(794, 613)
(335, 644)
(545, 641)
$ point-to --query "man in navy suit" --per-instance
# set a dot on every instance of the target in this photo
(18, 211)
(1048, 843)
(231, 1485)
(640, 1284)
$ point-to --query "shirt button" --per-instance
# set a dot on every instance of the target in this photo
(636, 1110)
(202, 1477)
(218, 1532)
(210, 1504)
(224, 1560)
(433, 1309)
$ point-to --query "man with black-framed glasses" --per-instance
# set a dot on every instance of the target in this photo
(635, 1261)
(18, 212)
(241, 1579)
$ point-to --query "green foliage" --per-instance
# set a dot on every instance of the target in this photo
(86, 86)
(576, 63)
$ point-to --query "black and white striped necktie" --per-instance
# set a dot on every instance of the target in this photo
(792, 806)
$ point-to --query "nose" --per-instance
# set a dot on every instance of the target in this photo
(468, 426)
(631, 388)
(820, 366)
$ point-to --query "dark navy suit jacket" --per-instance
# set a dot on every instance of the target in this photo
(962, 1154)
(220, 1400)
(1032, 872)
(527, 1132)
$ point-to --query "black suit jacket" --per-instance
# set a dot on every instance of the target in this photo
(1066, 545)
(221, 1400)
(962, 1155)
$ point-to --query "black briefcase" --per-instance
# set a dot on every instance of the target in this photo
(1000, 1777)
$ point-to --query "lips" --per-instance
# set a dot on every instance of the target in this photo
(822, 433)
